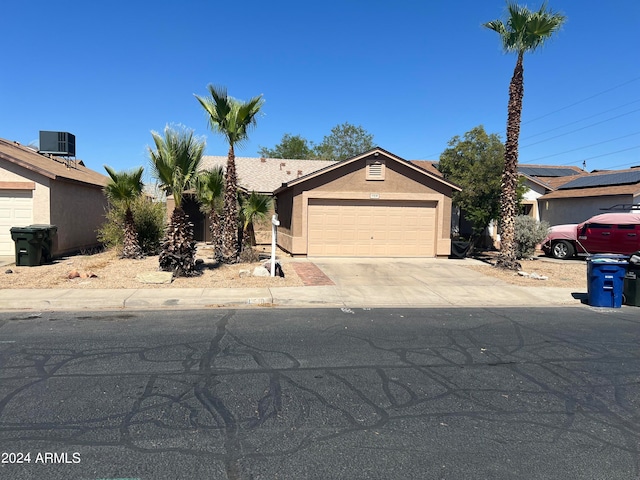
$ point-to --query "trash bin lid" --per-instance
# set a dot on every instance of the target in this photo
(28, 229)
(51, 229)
(608, 258)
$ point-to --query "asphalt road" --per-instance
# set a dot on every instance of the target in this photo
(321, 394)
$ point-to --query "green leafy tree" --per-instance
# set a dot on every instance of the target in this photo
(232, 119)
(522, 31)
(123, 188)
(291, 146)
(475, 163)
(175, 164)
(344, 141)
(210, 190)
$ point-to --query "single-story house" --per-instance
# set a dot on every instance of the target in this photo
(590, 194)
(44, 189)
(374, 204)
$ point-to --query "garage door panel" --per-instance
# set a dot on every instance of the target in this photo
(371, 228)
(16, 210)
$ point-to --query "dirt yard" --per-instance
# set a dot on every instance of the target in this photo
(106, 270)
(570, 274)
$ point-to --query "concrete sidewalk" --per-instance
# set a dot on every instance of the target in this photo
(353, 283)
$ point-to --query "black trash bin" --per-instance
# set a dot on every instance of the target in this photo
(47, 242)
(28, 242)
(632, 281)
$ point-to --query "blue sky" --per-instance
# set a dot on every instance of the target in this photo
(412, 73)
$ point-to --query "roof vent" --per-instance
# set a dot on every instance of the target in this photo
(58, 143)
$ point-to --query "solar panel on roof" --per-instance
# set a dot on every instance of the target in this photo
(606, 180)
(547, 171)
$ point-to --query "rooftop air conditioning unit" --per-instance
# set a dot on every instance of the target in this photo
(58, 143)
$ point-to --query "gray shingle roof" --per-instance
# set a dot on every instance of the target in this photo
(265, 175)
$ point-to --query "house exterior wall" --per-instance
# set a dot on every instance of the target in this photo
(349, 182)
(530, 197)
(78, 210)
(559, 211)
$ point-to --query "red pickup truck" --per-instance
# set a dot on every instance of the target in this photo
(605, 233)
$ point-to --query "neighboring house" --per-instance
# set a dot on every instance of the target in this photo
(540, 180)
(373, 205)
(262, 175)
(42, 189)
(590, 194)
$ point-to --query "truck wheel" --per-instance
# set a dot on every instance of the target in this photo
(562, 250)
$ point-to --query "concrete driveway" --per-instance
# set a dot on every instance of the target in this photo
(430, 282)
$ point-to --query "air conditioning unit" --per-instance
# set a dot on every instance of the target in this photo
(58, 143)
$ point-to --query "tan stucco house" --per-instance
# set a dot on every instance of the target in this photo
(41, 189)
(372, 205)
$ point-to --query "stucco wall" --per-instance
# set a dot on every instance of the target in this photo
(558, 211)
(78, 210)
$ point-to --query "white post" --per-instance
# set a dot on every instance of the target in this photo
(274, 232)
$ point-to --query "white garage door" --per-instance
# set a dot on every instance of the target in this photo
(355, 228)
(16, 210)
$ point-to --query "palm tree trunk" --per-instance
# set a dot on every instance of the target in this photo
(230, 221)
(508, 198)
(130, 245)
(214, 228)
(178, 253)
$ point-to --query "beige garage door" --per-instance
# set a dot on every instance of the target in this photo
(371, 228)
(16, 210)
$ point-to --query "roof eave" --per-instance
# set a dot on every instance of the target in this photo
(347, 161)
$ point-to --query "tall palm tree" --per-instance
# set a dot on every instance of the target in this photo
(209, 190)
(125, 187)
(253, 207)
(522, 31)
(175, 163)
(232, 119)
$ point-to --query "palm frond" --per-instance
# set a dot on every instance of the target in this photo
(210, 188)
(176, 160)
(255, 207)
(124, 186)
(525, 30)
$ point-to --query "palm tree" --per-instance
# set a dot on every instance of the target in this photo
(233, 119)
(253, 207)
(523, 31)
(175, 163)
(125, 187)
(209, 190)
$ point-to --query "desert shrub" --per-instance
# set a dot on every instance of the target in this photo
(529, 233)
(149, 218)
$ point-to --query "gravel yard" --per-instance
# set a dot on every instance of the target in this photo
(109, 271)
(113, 272)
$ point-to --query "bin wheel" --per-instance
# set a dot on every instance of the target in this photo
(562, 250)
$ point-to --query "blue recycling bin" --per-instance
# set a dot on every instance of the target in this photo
(605, 279)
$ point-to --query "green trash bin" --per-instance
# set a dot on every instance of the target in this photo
(28, 242)
(47, 242)
(631, 288)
